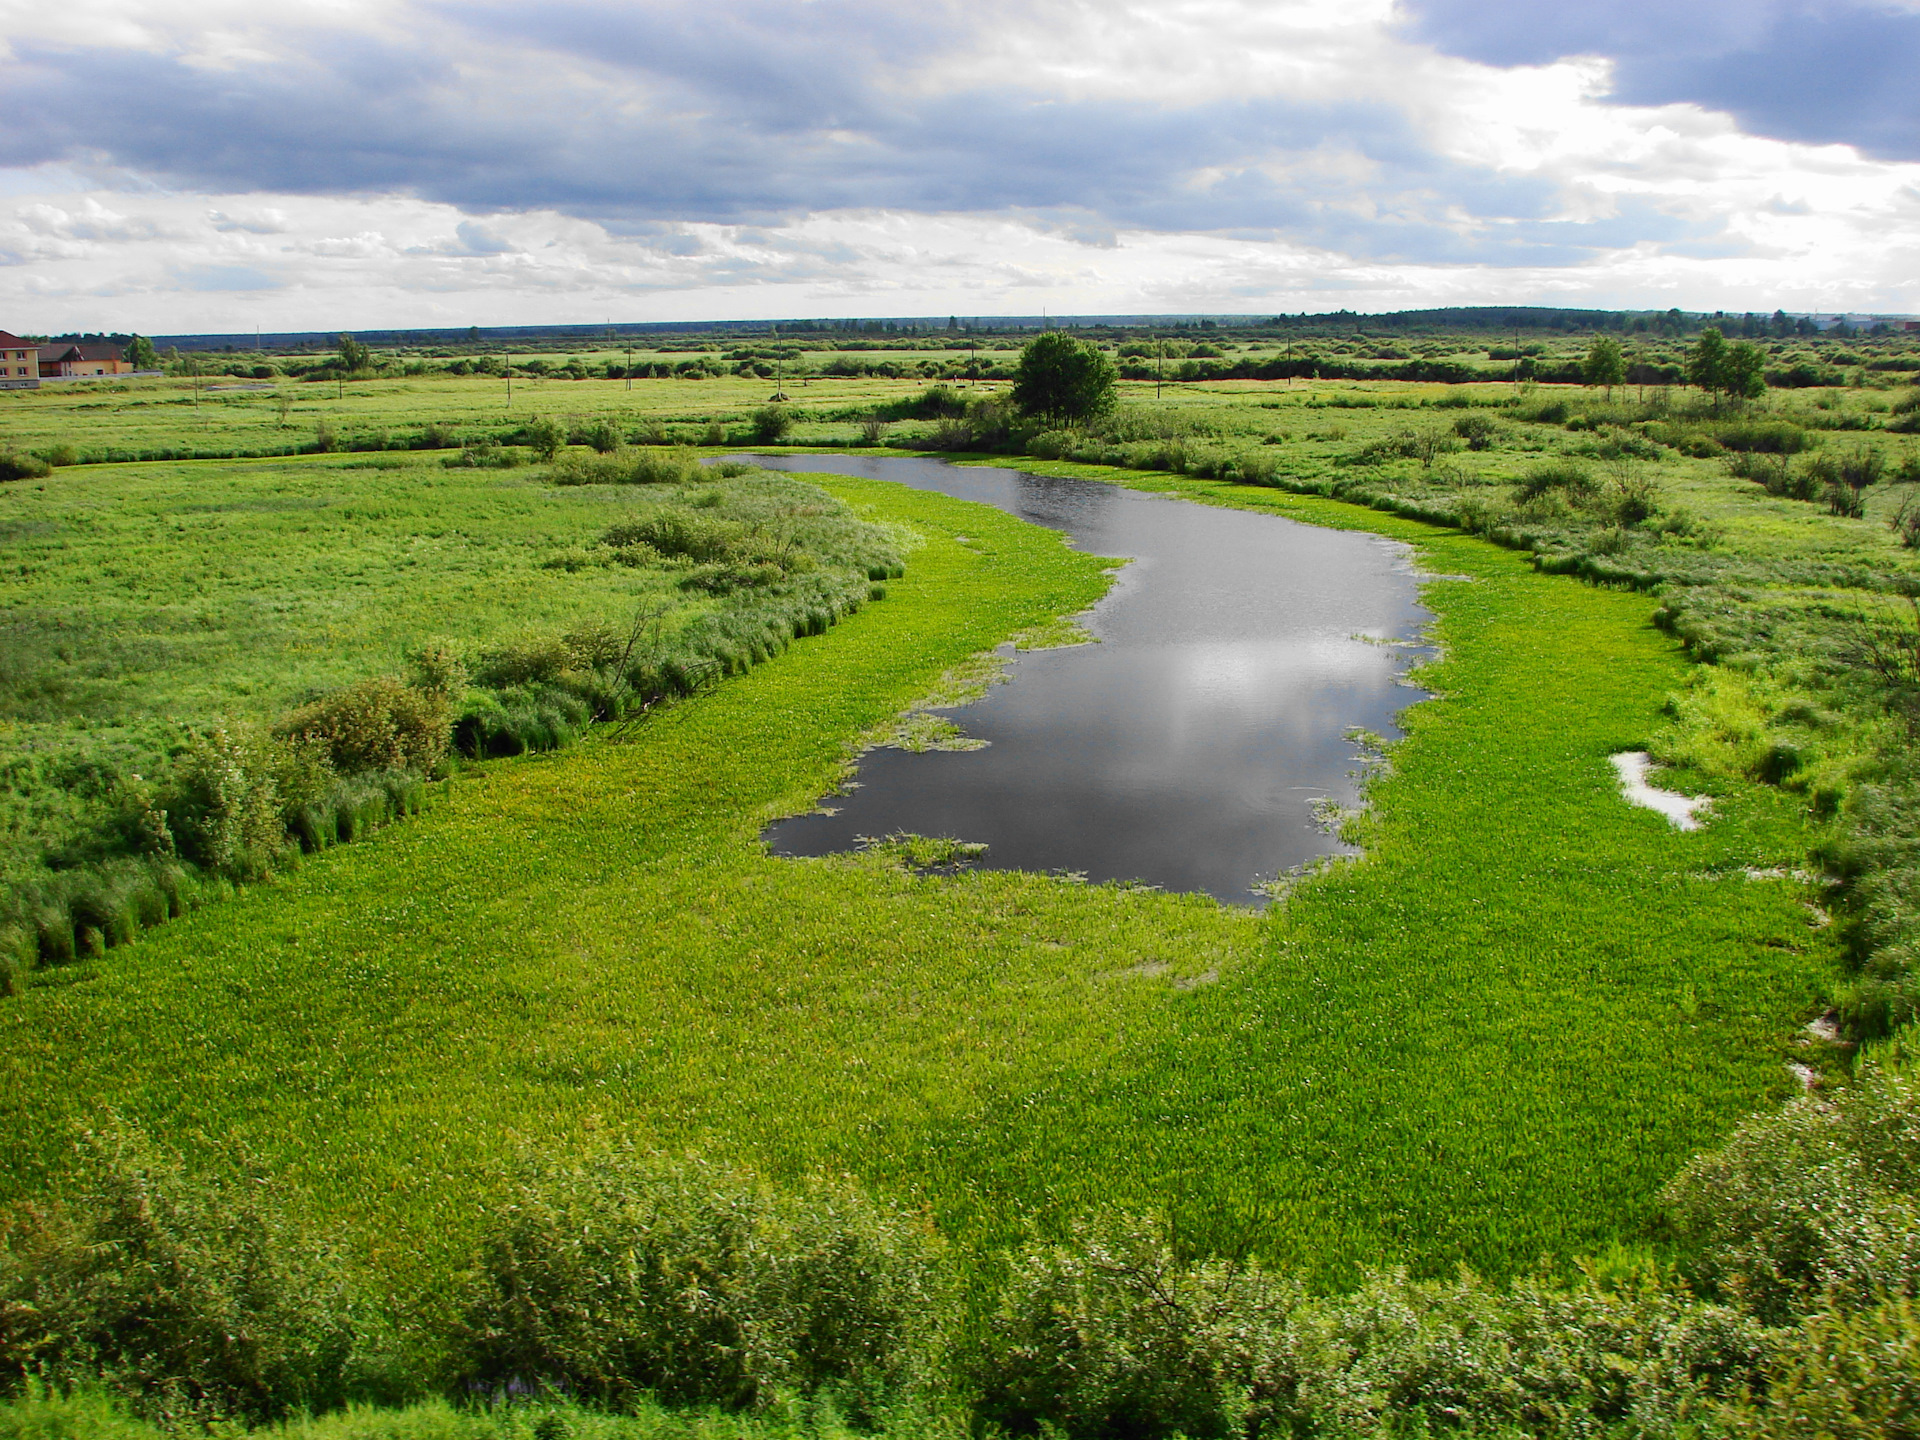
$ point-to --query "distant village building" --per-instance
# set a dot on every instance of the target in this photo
(19, 363)
(73, 362)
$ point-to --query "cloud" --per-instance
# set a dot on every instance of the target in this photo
(226, 277)
(1814, 71)
(761, 112)
(414, 161)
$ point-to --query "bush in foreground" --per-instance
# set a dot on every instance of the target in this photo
(1115, 1334)
(1815, 1205)
(632, 1276)
(190, 1297)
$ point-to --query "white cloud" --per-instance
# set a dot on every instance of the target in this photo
(340, 164)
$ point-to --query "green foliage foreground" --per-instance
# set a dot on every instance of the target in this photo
(632, 1280)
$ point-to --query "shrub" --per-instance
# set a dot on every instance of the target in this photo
(602, 435)
(519, 719)
(58, 455)
(1843, 1376)
(377, 724)
(1818, 1203)
(628, 467)
(632, 1276)
(230, 792)
(680, 532)
(16, 466)
(1774, 437)
(1630, 497)
(1115, 1334)
(546, 437)
(940, 402)
(772, 423)
(1477, 430)
(190, 1296)
(525, 660)
(438, 668)
(485, 453)
(1563, 477)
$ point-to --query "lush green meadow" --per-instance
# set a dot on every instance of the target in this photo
(1490, 1041)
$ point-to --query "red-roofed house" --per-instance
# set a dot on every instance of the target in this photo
(19, 363)
(72, 362)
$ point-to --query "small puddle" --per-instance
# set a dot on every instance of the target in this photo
(1201, 744)
(1683, 811)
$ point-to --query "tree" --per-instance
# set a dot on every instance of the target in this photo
(1606, 364)
(1706, 364)
(141, 354)
(1743, 371)
(1064, 380)
(354, 357)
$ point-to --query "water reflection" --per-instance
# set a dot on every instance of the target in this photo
(1188, 749)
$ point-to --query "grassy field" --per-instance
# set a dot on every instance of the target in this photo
(1490, 1041)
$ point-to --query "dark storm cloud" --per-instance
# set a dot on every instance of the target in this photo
(1818, 71)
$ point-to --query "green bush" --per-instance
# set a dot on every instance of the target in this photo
(1116, 1334)
(628, 467)
(681, 532)
(546, 437)
(533, 659)
(1774, 437)
(16, 466)
(1843, 1376)
(772, 423)
(1112, 1334)
(1563, 477)
(485, 453)
(1477, 430)
(190, 1296)
(376, 724)
(602, 435)
(1816, 1204)
(229, 794)
(631, 1276)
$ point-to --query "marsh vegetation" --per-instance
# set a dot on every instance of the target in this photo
(1531, 1022)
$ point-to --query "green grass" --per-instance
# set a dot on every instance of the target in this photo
(147, 599)
(99, 1417)
(1489, 1041)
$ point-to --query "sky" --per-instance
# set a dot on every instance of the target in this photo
(336, 164)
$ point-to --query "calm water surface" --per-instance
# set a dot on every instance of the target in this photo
(1189, 747)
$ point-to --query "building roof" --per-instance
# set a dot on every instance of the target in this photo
(14, 342)
(53, 354)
